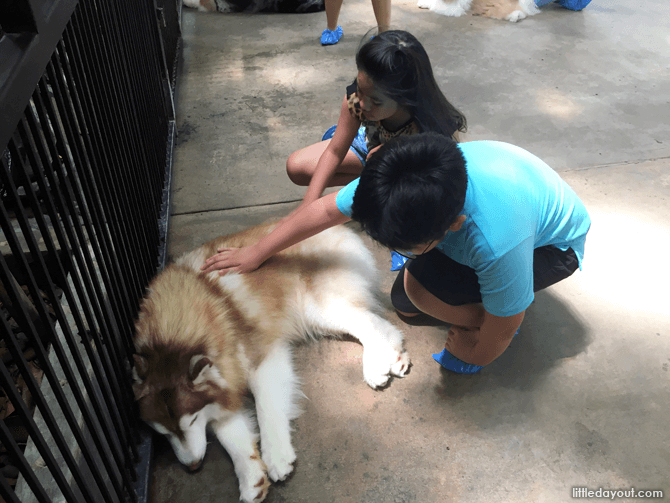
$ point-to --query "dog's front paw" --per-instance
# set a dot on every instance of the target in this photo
(401, 366)
(257, 492)
(224, 6)
(424, 4)
(381, 362)
(515, 16)
(254, 481)
(279, 463)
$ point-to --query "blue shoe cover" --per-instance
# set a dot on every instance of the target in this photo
(450, 362)
(397, 261)
(330, 37)
(573, 4)
(568, 4)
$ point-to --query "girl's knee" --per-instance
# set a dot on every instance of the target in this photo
(296, 170)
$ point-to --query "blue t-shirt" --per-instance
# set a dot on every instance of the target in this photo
(514, 203)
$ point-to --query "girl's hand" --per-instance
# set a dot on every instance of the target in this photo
(240, 260)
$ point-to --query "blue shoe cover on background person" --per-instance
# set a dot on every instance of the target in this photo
(450, 362)
(397, 261)
(330, 37)
(568, 4)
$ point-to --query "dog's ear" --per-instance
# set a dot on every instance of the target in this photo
(139, 374)
(203, 372)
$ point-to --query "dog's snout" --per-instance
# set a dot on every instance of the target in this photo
(195, 465)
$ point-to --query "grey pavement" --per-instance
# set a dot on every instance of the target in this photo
(581, 397)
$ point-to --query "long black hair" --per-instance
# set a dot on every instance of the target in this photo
(399, 66)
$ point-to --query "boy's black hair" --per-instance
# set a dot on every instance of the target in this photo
(411, 190)
(399, 66)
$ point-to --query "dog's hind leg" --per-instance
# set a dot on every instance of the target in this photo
(237, 435)
(275, 388)
(383, 353)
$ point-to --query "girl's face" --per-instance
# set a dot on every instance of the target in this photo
(375, 105)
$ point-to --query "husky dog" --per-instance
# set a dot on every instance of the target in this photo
(203, 340)
(511, 10)
(251, 6)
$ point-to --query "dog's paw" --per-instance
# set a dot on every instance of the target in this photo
(254, 481)
(424, 4)
(401, 366)
(280, 464)
(203, 5)
(515, 16)
(379, 363)
(224, 6)
(257, 492)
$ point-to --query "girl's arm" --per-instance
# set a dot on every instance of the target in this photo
(303, 223)
(332, 157)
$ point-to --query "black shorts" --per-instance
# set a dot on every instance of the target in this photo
(456, 284)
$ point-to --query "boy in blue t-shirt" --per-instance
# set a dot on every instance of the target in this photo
(484, 224)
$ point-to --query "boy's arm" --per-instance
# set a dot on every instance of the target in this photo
(301, 224)
(506, 285)
(332, 157)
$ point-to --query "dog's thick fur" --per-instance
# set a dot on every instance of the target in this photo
(510, 10)
(203, 340)
(251, 6)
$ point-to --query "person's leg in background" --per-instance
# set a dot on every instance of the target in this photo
(333, 33)
(382, 10)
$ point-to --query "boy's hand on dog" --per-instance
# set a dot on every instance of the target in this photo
(240, 260)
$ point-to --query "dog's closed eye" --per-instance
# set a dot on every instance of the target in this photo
(194, 418)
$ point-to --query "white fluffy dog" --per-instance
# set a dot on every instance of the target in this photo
(510, 10)
(203, 340)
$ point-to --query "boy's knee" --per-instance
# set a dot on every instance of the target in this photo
(413, 289)
(399, 298)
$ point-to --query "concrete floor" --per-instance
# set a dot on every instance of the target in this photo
(581, 397)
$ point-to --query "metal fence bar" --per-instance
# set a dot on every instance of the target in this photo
(81, 135)
(10, 389)
(87, 88)
(69, 205)
(13, 448)
(75, 248)
(48, 331)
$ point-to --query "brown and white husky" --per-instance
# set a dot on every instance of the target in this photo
(202, 341)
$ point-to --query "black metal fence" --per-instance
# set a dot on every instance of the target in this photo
(86, 138)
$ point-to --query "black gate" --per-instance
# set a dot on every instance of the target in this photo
(86, 137)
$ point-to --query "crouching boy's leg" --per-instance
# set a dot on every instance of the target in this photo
(436, 285)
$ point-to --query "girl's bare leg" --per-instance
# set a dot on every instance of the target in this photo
(382, 10)
(301, 164)
(333, 13)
